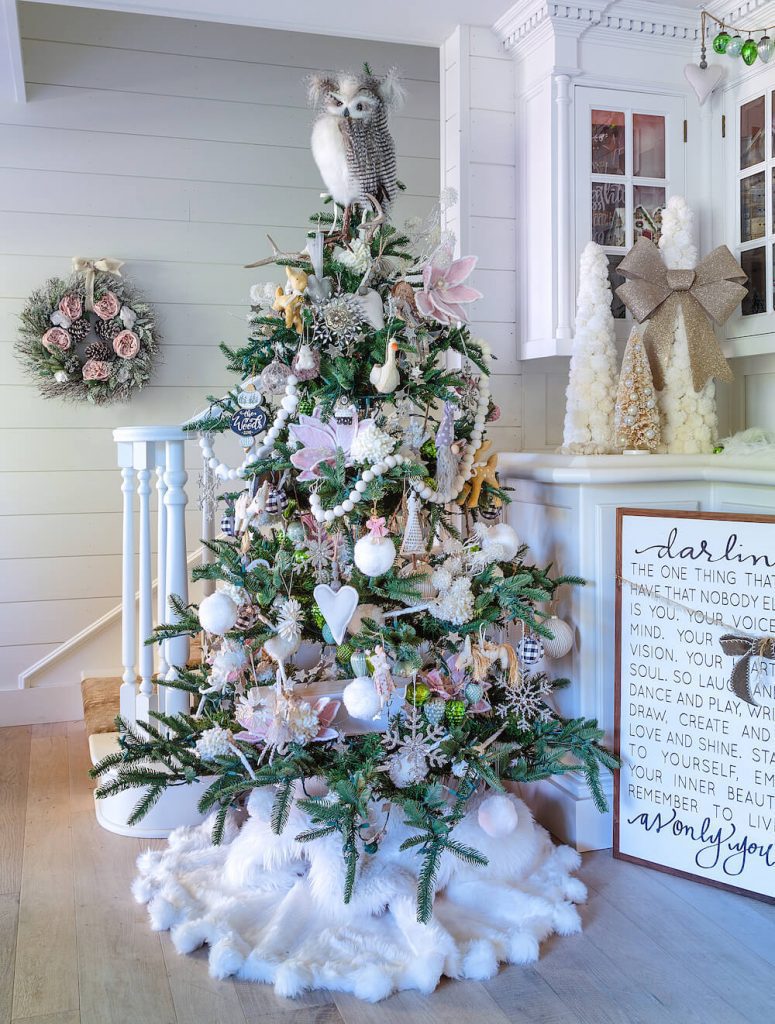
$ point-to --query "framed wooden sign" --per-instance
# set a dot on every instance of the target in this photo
(695, 696)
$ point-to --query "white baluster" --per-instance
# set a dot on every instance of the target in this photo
(128, 693)
(177, 648)
(161, 553)
(207, 504)
(145, 653)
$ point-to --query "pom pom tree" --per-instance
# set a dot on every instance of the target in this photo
(591, 390)
(636, 420)
(689, 423)
(369, 317)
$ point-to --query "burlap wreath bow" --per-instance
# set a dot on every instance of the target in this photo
(711, 291)
(744, 648)
(107, 264)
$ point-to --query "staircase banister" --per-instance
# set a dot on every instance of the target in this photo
(167, 432)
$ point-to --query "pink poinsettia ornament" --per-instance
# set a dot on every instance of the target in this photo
(443, 292)
(320, 441)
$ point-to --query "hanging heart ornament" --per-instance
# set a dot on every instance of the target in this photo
(337, 607)
(703, 80)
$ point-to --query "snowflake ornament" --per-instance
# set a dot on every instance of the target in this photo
(415, 753)
(526, 703)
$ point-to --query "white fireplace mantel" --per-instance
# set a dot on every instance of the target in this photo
(564, 509)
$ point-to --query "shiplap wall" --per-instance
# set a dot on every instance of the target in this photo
(478, 160)
(175, 146)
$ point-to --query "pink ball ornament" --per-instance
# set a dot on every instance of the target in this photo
(497, 816)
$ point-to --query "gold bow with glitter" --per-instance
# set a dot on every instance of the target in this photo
(107, 264)
(711, 291)
(744, 648)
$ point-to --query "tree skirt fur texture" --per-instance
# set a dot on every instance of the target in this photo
(271, 909)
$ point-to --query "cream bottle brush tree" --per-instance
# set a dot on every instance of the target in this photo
(636, 417)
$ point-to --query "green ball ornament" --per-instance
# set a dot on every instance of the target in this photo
(721, 42)
(455, 711)
(418, 693)
(434, 710)
(371, 848)
(344, 652)
(473, 692)
(718, 449)
(749, 52)
(306, 405)
(429, 449)
(328, 636)
(317, 616)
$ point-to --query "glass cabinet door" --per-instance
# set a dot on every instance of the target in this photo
(628, 159)
(755, 233)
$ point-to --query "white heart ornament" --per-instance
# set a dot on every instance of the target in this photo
(703, 80)
(336, 607)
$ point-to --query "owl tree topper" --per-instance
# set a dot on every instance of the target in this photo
(351, 140)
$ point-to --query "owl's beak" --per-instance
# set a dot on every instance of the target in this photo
(346, 112)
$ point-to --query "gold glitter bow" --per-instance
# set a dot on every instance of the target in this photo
(711, 291)
(744, 648)
(107, 264)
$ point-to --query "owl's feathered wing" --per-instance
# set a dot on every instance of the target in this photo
(371, 157)
(331, 155)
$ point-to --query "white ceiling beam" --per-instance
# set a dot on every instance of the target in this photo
(11, 66)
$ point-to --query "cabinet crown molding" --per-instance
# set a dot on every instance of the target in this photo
(661, 20)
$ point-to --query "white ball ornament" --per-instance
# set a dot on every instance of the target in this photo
(497, 816)
(561, 641)
(374, 555)
(506, 536)
(218, 613)
(361, 699)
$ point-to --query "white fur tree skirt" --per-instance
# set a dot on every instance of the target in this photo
(271, 909)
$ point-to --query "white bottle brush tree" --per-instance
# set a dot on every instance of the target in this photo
(592, 385)
(636, 414)
(688, 418)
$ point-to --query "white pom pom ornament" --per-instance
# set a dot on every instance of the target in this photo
(561, 641)
(218, 613)
(361, 699)
(506, 536)
(374, 555)
(497, 816)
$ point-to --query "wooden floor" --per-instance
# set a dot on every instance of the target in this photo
(74, 946)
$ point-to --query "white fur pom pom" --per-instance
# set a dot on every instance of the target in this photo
(361, 698)
(218, 613)
(497, 816)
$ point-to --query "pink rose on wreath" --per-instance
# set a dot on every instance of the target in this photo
(71, 306)
(96, 369)
(126, 345)
(56, 338)
(107, 307)
(443, 291)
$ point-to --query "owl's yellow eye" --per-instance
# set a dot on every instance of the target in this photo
(359, 106)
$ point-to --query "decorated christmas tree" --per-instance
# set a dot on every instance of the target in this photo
(361, 704)
(636, 417)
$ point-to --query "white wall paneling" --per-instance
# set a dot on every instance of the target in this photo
(479, 160)
(174, 145)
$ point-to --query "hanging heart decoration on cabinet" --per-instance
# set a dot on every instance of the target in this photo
(703, 80)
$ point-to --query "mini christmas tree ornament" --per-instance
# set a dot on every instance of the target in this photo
(497, 815)
(561, 641)
(530, 649)
(218, 613)
(413, 542)
(375, 552)
(455, 711)
(361, 699)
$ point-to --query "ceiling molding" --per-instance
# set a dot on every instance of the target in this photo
(12, 86)
(666, 22)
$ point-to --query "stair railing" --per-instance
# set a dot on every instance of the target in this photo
(145, 452)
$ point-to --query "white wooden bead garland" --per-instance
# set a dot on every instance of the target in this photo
(262, 443)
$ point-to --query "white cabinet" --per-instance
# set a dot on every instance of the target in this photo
(629, 157)
(747, 204)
